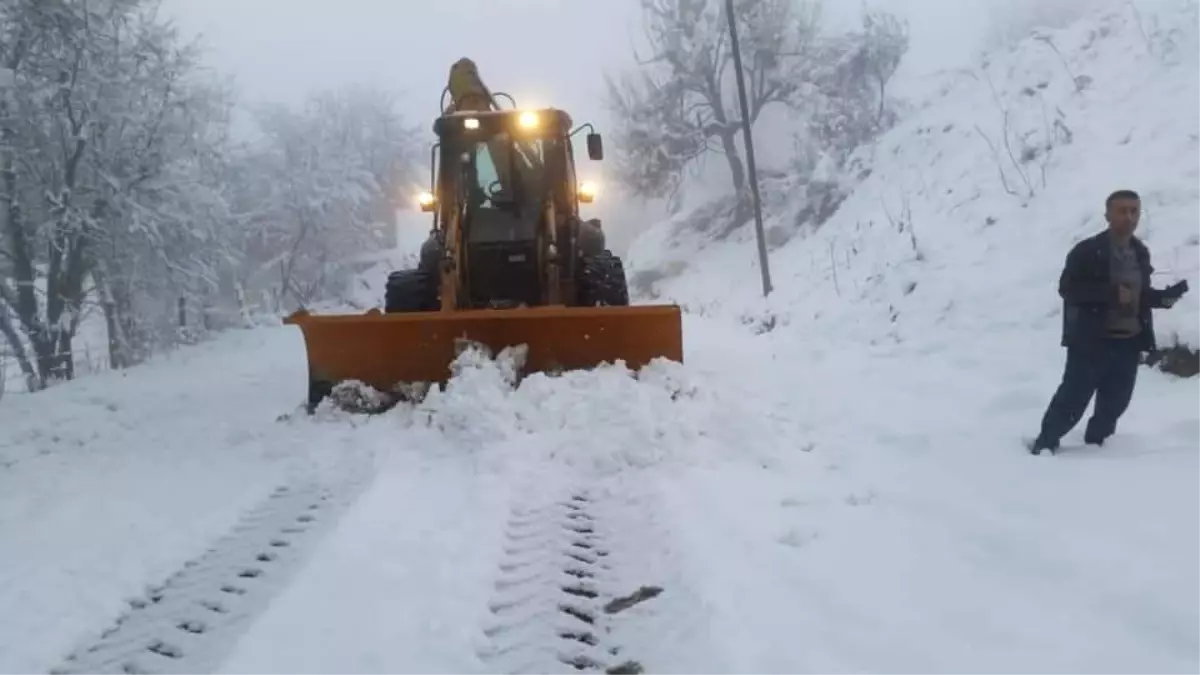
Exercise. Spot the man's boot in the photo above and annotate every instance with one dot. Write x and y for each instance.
(1039, 444)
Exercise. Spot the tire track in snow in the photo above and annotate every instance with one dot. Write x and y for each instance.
(191, 621)
(657, 615)
(544, 610)
(554, 601)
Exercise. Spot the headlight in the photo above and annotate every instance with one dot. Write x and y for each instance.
(587, 192)
(528, 120)
(426, 200)
(471, 123)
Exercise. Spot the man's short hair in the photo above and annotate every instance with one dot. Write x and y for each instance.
(1121, 194)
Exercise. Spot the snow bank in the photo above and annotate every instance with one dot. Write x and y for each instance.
(961, 225)
(608, 419)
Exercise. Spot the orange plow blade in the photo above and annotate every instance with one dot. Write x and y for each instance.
(387, 350)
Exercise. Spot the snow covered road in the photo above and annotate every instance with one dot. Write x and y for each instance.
(801, 508)
(111, 484)
(407, 569)
(461, 567)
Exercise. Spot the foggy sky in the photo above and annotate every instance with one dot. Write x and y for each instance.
(544, 52)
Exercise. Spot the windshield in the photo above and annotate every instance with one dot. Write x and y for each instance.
(492, 181)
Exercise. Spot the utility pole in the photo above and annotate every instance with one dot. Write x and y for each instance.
(6, 83)
(753, 172)
(8, 80)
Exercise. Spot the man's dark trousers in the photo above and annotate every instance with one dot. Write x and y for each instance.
(1106, 368)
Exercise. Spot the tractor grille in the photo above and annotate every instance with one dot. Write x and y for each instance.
(504, 274)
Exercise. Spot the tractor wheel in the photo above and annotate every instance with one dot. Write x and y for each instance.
(410, 291)
(602, 281)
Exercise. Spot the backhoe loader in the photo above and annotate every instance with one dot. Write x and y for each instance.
(509, 262)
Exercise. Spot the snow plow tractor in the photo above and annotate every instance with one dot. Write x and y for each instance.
(509, 262)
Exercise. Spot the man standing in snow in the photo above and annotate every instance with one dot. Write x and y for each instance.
(1107, 324)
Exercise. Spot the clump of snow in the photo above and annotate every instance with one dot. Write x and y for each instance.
(358, 396)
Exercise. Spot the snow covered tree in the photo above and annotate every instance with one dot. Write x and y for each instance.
(156, 152)
(1009, 21)
(681, 103)
(849, 103)
(121, 192)
(322, 189)
(105, 129)
(50, 47)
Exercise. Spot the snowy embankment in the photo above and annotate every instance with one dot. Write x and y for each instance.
(960, 228)
(836, 485)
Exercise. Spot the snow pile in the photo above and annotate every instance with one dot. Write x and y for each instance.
(608, 419)
(964, 212)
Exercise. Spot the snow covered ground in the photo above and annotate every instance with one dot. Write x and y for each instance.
(801, 507)
(110, 484)
(833, 481)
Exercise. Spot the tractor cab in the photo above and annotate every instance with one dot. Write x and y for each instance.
(505, 181)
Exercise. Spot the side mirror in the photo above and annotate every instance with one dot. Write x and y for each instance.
(595, 146)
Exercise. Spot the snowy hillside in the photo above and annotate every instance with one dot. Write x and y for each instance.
(968, 208)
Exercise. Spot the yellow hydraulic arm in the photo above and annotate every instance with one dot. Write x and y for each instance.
(469, 93)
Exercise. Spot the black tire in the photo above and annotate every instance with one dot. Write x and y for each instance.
(601, 281)
(410, 291)
(591, 238)
(318, 390)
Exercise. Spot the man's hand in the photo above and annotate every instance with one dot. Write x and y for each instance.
(1124, 294)
(1171, 294)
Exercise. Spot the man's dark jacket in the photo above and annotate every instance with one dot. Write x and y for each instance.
(1087, 291)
